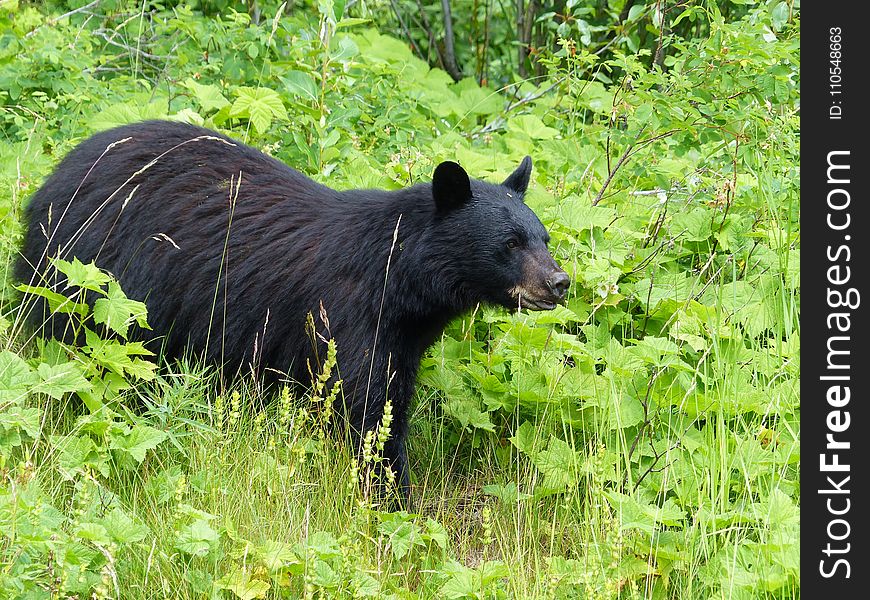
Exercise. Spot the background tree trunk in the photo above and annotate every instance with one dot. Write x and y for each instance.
(449, 53)
(525, 26)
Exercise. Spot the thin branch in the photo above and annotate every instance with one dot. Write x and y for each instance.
(629, 152)
(427, 27)
(729, 193)
(619, 163)
(652, 466)
(528, 28)
(640, 145)
(54, 20)
(102, 33)
(535, 96)
(499, 121)
(405, 28)
(659, 57)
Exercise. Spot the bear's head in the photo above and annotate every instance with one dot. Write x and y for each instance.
(502, 256)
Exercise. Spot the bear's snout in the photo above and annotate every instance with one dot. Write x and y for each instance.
(544, 284)
(558, 283)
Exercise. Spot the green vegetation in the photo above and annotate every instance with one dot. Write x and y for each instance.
(640, 442)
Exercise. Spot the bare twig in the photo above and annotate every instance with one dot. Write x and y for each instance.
(652, 468)
(102, 33)
(499, 121)
(659, 57)
(628, 153)
(405, 29)
(652, 280)
(483, 65)
(449, 52)
(730, 190)
(54, 20)
(427, 27)
(612, 173)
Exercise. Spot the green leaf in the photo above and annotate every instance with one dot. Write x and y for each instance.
(528, 439)
(467, 412)
(475, 100)
(25, 419)
(694, 225)
(197, 538)
(465, 582)
(105, 387)
(365, 586)
(100, 422)
(277, 555)
(117, 113)
(243, 585)
(300, 83)
(579, 215)
(508, 494)
(208, 96)
(560, 464)
(462, 584)
(122, 528)
(643, 112)
(76, 452)
(191, 511)
(634, 514)
(532, 126)
(117, 312)
(402, 533)
(436, 532)
(325, 576)
(628, 411)
(93, 532)
(324, 545)
(57, 303)
(16, 378)
(595, 97)
(779, 15)
(260, 106)
(116, 356)
(86, 276)
(140, 439)
(346, 49)
(656, 347)
(13, 421)
(62, 379)
(351, 22)
(634, 11)
(778, 510)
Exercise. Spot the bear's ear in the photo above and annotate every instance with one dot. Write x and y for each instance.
(518, 181)
(451, 187)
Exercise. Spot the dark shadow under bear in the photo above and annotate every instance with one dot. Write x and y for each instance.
(231, 250)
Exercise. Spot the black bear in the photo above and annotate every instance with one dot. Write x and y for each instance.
(231, 250)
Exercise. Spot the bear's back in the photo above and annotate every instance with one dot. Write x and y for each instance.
(183, 214)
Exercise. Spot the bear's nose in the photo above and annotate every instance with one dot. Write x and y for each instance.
(559, 283)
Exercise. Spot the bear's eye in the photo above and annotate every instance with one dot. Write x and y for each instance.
(513, 243)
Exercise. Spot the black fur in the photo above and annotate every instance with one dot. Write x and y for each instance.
(219, 238)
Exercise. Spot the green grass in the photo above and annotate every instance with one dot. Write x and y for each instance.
(263, 481)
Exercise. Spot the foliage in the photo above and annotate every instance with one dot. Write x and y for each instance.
(639, 442)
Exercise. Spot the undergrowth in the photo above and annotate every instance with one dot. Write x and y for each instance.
(641, 441)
